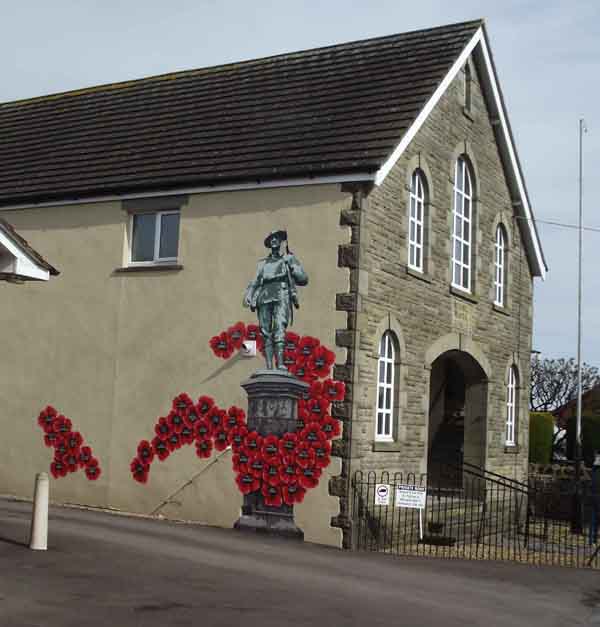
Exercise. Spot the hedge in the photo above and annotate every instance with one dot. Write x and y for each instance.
(541, 429)
(590, 437)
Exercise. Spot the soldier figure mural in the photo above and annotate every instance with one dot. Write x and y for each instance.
(273, 294)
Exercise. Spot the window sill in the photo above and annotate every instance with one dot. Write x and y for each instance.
(500, 310)
(422, 276)
(464, 295)
(386, 447)
(159, 267)
(511, 449)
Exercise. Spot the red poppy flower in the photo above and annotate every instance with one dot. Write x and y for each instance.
(305, 455)
(204, 405)
(236, 436)
(288, 470)
(187, 434)
(162, 428)
(204, 448)
(271, 495)
(145, 452)
(256, 465)
(289, 359)
(331, 427)
(92, 469)
(291, 341)
(46, 418)
(182, 403)
(85, 454)
(60, 446)
(307, 345)
(270, 448)
(139, 470)
(191, 416)
(203, 429)
(302, 369)
(220, 439)
(221, 345)
(271, 472)
(73, 440)
(237, 335)
(309, 477)
(71, 460)
(316, 389)
(61, 425)
(312, 433)
(173, 442)
(334, 390)
(247, 483)
(240, 461)
(236, 417)
(287, 444)
(58, 469)
(322, 453)
(321, 361)
(175, 421)
(160, 448)
(293, 493)
(317, 407)
(216, 418)
(51, 438)
(253, 442)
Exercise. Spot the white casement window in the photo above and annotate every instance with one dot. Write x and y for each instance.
(154, 237)
(462, 236)
(499, 266)
(385, 388)
(416, 220)
(511, 406)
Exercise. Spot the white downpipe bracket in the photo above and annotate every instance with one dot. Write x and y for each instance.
(39, 520)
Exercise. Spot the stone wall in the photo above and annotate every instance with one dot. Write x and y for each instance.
(426, 315)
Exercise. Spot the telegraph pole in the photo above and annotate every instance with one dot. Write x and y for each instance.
(577, 521)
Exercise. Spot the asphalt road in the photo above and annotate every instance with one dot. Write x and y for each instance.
(104, 569)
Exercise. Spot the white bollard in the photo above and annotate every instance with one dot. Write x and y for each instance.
(38, 540)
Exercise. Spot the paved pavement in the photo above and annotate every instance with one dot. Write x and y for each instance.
(104, 569)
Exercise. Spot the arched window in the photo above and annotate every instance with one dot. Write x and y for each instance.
(416, 221)
(512, 406)
(499, 266)
(386, 383)
(462, 226)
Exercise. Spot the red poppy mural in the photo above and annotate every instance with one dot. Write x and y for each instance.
(282, 468)
(70, 451)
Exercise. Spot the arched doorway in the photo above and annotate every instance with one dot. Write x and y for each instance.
(458, 392)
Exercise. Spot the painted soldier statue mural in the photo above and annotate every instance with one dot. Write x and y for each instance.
(273, 294)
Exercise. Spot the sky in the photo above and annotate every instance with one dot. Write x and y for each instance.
(547, 55)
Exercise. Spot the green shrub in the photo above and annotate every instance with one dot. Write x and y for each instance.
(541, 428)
(590, 437)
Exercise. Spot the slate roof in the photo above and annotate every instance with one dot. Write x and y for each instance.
(336, 110)
(26, 248)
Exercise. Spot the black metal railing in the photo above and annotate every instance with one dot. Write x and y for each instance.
(484, 516)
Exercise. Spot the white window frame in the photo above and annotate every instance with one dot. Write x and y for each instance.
(511, 407)
(462, 226)
(416, 221)
(157, 232)
(499, 266)
(387, 415)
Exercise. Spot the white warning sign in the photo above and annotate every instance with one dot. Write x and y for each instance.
(411, 496)
(382, 494)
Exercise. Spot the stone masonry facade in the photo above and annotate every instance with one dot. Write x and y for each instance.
(427, 316)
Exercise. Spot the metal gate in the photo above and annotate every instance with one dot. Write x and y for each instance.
(483, 516)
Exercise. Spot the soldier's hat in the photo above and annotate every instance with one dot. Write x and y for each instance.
(282, 235)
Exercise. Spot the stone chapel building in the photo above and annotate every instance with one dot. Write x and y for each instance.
(392, 165)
